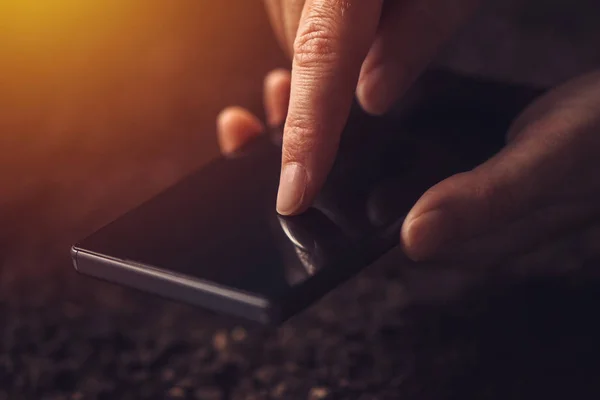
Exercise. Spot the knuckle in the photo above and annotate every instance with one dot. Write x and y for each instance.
(315, 43)
(299, 140)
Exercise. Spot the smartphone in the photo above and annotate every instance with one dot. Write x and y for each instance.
(214, 239)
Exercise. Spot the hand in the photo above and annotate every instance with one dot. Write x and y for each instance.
(339, 48)
(535, 204)
(539, 196)
(237, 126)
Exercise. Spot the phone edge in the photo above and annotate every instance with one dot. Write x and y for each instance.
(179, 288)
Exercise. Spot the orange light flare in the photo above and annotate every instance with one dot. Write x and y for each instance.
(57, 55)
(97, 65)
(87, 90)
(105, 102)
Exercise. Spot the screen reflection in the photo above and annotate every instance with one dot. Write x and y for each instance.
(377, 177)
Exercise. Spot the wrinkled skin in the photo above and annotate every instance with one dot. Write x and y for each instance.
(342, 48)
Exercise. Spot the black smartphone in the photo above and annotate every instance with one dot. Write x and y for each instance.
(215, 240)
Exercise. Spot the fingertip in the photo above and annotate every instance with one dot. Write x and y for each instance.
(291, 212)
(365, 96)
(235, 127)
(292, 189)
(277, 88)
(430, 224)
(424, 236)
(378, 88)
(278, 74)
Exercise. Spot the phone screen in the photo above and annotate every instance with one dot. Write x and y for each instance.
(219, 225)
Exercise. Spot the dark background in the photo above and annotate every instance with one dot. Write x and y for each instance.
(104, 103)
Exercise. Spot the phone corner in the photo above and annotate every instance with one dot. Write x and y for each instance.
(74, 257)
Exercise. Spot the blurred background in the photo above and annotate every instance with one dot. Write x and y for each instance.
(105, 103)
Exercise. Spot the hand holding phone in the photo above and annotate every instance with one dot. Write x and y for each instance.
(215, 240)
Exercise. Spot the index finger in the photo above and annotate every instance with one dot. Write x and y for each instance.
(333, 39)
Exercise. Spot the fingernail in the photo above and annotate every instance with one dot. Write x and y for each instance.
(292, 186)
(426, 235)
(375, 91)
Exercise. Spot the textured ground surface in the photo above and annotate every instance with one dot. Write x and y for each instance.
(114, 102)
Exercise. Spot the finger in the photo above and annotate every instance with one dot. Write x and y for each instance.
(523, 235)
(408, 38)
(522, 177)
(577, 100)
(277, 96)
(549, 160)
(275, 14)
(332, 41)
(291, 14)
(236, 127)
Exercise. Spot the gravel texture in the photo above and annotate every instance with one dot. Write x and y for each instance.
(367, 340)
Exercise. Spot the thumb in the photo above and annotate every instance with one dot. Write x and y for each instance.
(505, 188)
(551, 158)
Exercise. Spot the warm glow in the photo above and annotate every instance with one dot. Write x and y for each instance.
(33, 25)
(36, 16)
(104, 102)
